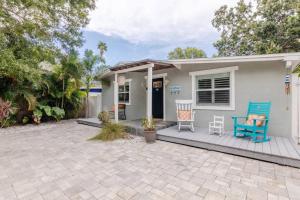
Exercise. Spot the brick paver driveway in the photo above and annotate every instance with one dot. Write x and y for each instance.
(55, 161)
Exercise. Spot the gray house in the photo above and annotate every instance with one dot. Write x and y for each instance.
(149, 88)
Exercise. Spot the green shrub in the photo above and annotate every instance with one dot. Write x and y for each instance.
(104, 117)
(111, 131)
(37, 116)
(25, 120)
(58, 113)
(47, 110)
(7, 114)
(52, 112)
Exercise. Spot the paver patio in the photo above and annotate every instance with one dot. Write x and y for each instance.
(55, 161)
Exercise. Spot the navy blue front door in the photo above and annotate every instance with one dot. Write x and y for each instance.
(158, 98)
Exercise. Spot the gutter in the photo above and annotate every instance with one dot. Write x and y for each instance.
(251, 58)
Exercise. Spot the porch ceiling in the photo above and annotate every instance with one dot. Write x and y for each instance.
(158, 65)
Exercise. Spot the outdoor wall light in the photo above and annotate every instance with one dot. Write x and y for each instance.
(121, 80)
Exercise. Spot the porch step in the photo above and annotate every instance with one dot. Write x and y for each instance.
(90, 122)
(132, 126)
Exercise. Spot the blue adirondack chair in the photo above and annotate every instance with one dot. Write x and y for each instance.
(257, 133)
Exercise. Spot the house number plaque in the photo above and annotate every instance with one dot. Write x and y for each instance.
(175, 89)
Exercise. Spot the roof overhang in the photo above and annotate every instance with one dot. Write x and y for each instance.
(141, 66)
(236, 59)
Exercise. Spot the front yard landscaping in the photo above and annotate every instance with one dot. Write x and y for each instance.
(57, 161)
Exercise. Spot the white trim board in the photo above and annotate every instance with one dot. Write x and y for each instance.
(157, 75)
(164, 92)
(129, 81)
(251, 58)
(134, 68)
(215, 71)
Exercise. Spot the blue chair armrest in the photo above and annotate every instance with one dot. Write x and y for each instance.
(257, 119)
(237, 117)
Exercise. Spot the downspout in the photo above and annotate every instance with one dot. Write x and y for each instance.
(298, 117)
(292, 63)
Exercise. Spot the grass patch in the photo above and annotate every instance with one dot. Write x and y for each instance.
(110, 132)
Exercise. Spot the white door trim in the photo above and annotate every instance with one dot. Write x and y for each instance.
(164, 92)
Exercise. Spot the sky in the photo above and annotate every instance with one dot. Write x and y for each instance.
(140, 29)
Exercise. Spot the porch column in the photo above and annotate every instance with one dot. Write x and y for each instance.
(149, 92)
(116, 98)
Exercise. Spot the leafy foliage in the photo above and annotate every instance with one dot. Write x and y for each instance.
(102, 49)
(25, 120)
(148, 124)
(46, 111)
(89, 63)
(111, 131)
(6, 113)
(189, 52)
(37, 116)
(273, 26)
(38, 61)
(58, 113)
(297, 70)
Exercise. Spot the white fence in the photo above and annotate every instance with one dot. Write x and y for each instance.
(95, 105)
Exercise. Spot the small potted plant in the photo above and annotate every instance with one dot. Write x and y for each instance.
(149, 130)
(104, 117)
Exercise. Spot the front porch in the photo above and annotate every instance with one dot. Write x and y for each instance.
(280, 150)
(155, 87)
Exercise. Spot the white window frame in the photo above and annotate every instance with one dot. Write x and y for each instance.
(231, 71)
(129, 93)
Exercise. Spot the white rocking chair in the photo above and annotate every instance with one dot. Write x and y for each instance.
(217, 126)
(185, 114)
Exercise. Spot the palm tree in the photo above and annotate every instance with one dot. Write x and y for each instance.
(102, 48)
(89, 63)
(69, 69)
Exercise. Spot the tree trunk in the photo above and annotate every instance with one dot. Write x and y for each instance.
(62, 99)
(87, 104)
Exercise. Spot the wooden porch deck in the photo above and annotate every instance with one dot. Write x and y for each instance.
(279, 150)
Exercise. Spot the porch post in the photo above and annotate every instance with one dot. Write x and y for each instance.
(116, 98)
(149, 92)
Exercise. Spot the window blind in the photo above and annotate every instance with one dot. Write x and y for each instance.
(213, 89)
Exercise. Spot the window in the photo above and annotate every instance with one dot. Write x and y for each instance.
(214, 89)
(124, 93)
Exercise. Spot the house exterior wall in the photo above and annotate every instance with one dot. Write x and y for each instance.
(137, 107)
(254, 81)
(295, 101)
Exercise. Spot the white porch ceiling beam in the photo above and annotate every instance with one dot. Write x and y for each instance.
(137, 68)
(178, 66)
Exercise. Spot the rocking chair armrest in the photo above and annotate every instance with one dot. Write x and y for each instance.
(238, 117)
(257, 119)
